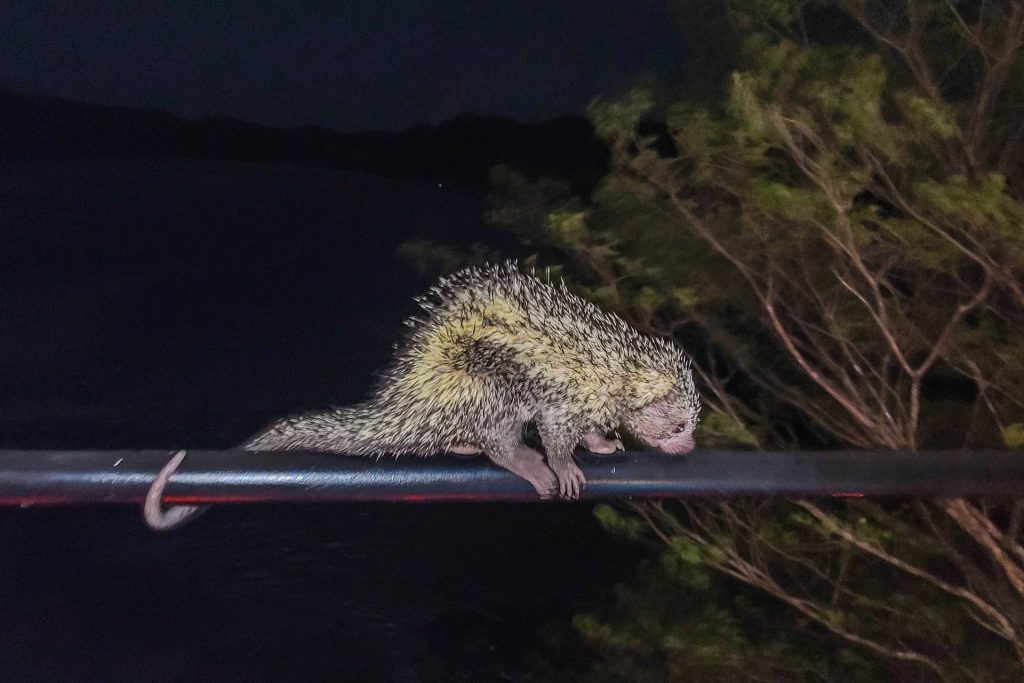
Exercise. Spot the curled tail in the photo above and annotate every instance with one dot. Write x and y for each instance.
(362, 429)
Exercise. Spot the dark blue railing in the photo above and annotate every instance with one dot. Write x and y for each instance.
(60, 477)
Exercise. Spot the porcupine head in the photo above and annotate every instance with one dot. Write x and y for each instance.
(669, 405)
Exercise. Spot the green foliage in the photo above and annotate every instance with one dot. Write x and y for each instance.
(720, 429)
(611, 117)
(1013, 435)
(627, 527)
(927, 115)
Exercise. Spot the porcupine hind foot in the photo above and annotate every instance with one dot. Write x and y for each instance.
(527, 463)
(596, 442)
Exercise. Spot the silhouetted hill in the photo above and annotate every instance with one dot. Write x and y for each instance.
(460, 150)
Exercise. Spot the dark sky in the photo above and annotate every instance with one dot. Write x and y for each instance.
(349, 65)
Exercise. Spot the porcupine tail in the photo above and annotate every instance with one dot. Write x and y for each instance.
(356, 430)
(362, 429)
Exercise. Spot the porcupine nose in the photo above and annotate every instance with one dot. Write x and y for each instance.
(680, 442)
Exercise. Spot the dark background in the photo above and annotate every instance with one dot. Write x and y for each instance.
(176, 275)
(357, 65)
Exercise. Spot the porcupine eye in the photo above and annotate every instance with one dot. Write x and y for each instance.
(679, 429)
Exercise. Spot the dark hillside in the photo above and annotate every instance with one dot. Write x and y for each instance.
(460, 150)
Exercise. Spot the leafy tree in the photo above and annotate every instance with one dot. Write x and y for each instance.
(842, 210)
(835, 228)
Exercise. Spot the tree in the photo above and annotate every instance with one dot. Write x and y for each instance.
(837, 234)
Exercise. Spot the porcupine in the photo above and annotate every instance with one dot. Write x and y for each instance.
(497, 350)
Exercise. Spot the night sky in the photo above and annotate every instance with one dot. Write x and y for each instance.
(379, 64)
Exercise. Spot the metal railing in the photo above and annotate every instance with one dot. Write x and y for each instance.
(29, 477)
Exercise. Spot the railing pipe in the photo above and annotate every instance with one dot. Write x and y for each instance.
(50, 477)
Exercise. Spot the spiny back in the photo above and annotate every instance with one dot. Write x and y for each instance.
(485, 323)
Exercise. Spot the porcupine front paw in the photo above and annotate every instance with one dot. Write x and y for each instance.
(570, 479)
(537, 472)
(528, 464)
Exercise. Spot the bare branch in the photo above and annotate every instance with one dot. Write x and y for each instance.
(997, 620)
